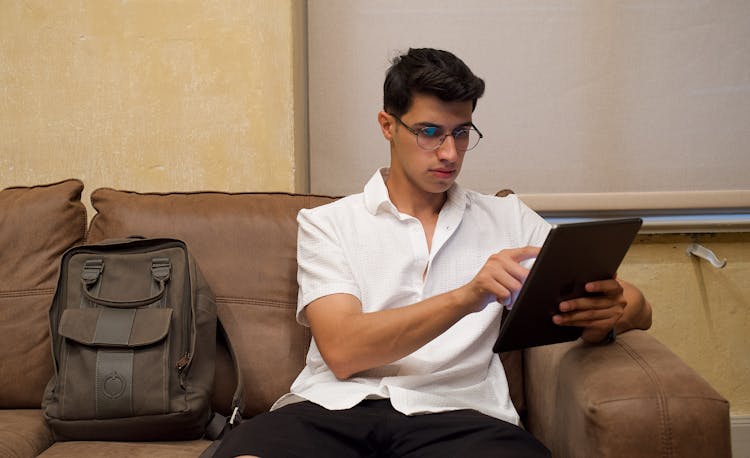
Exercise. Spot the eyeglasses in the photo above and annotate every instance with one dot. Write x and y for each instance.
(432, 137)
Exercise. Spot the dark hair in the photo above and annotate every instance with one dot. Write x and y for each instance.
(432, 72)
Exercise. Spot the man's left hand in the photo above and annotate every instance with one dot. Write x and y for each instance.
(597, 314)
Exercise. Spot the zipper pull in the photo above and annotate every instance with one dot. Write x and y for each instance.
(183, 362)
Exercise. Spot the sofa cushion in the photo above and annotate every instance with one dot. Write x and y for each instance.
(37, 224)
(513, 365)
(181, 449)
(23, 432)
(245, 245)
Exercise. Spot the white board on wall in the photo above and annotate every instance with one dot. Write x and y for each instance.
(582, 96)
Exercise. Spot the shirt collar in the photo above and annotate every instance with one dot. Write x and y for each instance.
(377, 199)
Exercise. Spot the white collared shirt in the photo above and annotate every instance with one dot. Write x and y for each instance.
(363, 246)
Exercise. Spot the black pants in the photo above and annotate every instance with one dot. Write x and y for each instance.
(376, 429)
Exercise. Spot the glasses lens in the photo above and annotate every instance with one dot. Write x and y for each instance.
(466, 139)
(432, 137)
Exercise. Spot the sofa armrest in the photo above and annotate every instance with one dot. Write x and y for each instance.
(633, 397)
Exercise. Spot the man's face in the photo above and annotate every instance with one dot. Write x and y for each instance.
(414, 168)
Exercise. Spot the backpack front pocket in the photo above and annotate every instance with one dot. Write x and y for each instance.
(114, 362)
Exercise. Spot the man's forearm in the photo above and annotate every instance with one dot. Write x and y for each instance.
(354, 341)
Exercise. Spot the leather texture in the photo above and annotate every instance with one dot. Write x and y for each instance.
(513, 366)
(160, 449)
(23, 433)
(37, 225)
(631, 398)
(246, 243)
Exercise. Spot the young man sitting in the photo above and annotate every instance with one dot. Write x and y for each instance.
(403, 285)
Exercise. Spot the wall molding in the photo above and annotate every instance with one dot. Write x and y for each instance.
(662, 212)
(697, 202)
(740, 436)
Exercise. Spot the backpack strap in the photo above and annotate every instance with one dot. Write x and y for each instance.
(220, 424)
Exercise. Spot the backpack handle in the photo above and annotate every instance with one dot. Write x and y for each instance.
(161, 269)
(124, 304)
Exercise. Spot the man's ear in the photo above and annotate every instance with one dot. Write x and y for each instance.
(386, 125)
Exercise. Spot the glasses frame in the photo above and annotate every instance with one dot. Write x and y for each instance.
(452, 133)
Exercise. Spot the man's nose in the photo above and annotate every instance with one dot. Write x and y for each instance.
(447, 151)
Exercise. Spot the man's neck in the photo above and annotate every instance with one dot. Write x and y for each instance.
(424, 206)
(421, 205)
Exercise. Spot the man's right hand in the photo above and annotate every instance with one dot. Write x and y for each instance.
(500, 278)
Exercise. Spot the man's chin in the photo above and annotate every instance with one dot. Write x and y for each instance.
(440, 186)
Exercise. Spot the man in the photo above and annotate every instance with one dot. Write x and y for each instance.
(402, 287)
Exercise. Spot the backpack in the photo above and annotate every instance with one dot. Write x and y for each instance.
(133, 331)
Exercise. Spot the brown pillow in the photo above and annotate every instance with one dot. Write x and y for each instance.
(37, 224)
(245, 245)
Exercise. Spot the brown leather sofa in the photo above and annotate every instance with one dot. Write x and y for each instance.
(633, 398)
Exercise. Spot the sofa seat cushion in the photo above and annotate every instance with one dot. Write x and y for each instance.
(187, 449)
(37, 224)
(23, 432)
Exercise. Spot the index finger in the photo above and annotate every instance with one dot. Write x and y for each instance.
(524, 253)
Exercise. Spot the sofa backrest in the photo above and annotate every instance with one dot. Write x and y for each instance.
(37, 224)
(245, 245)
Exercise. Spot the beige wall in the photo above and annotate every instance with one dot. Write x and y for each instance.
(154, 95)
(611, 96)
(702, 313)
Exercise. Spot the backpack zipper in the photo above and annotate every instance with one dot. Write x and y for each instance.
(187, 357)
(183, 362)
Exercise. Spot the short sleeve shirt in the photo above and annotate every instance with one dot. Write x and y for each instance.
(363, 246)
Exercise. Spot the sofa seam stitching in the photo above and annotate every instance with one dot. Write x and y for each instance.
(27, 292)
(707, 398)
(666, 430)
(263, 302)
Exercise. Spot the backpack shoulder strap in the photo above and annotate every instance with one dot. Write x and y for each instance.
(221, 424)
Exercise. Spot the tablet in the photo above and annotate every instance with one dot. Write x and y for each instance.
(572, 255)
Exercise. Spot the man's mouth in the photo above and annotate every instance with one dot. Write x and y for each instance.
(443, 173)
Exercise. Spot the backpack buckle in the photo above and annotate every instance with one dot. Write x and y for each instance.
(235, 417)
(92, 269)
(161, 269)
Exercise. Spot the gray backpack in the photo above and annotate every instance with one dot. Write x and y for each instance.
(133, 327)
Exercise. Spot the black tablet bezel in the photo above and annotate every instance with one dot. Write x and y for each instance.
(572, 255)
